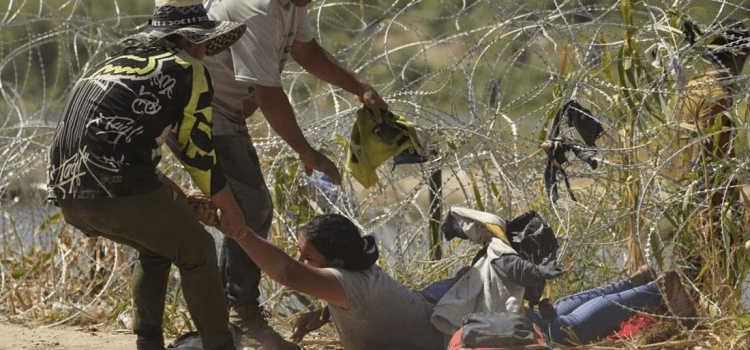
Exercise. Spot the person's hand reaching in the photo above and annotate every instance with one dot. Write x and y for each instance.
(308, 322)
(203, 208)
(231, 221)
(372, 100)
(315, 160)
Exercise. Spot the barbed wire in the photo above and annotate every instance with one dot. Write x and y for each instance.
(482, 79)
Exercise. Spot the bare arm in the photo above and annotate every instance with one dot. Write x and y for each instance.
(294, 274)
(321, 64)
(273, 261)
(279, 113)
(231, 219)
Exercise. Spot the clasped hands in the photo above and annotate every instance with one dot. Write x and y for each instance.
(203, 208)
(209, 214)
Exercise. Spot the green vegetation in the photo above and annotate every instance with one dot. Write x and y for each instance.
(483, 79)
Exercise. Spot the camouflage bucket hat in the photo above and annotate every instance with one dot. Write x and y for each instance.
(189, 19)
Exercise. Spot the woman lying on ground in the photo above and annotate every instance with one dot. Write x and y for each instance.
(595, 313)
(370, 310)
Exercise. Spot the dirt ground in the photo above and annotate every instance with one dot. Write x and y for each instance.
(16, 336)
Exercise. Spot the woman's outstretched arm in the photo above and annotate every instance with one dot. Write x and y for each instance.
(282, 268)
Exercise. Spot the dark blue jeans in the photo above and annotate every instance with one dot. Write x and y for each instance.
(241, 167)
(435, 291)
(593, 313)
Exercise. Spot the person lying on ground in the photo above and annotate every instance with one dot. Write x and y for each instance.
(523, 251)
(103, 175)
(589, 315)
(336, 264)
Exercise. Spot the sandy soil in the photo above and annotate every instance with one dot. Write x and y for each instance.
(23, 337)
(15, 336)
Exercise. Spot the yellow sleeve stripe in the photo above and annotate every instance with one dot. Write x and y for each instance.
(198, 161)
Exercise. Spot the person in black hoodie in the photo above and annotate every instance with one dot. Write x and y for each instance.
(102, 169)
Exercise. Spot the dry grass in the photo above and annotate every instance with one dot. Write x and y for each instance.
(482, 79)
(53, 291)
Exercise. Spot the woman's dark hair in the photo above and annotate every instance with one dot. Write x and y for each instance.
(336, 237)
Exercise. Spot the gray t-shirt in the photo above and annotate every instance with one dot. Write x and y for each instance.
(258, 57)
(383, 314)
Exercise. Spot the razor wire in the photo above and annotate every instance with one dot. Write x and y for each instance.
(480, 79)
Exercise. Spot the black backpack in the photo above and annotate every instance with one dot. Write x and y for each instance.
(500, 330)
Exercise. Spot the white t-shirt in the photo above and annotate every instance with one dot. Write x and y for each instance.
(258, 57)
(383, 314)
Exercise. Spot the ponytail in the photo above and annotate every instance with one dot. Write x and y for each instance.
(336, 237)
